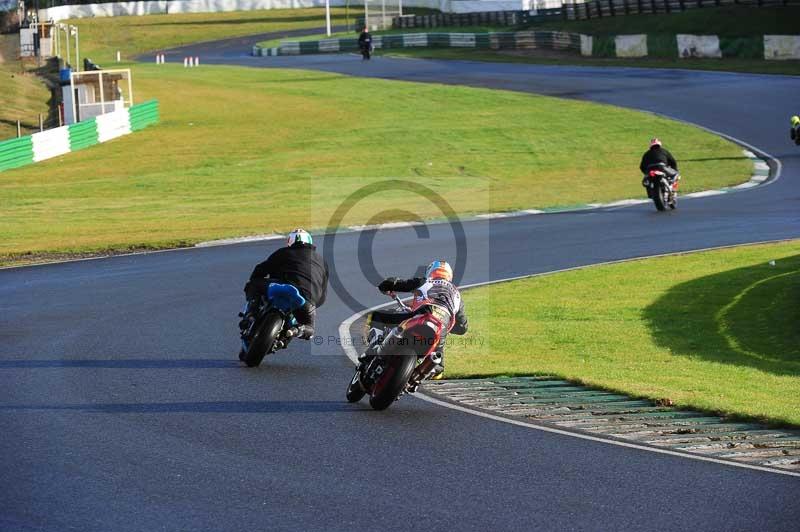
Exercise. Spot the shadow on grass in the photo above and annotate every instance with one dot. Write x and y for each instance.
(747, 317)
(715, 159)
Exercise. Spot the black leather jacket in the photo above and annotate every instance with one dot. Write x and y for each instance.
(657, 155)
(299, 265)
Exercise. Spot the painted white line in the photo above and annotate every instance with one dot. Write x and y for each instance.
(761, 165)
(352, 354)
(510, 214)
(388, 225)
(589, 437)
(704, 194)
(238, 240)
(749, 154)
(625, 203)
(749, 184)
(759, 178)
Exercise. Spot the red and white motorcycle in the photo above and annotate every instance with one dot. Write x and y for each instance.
(404, 356)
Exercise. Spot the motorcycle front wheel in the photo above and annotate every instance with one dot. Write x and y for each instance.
(354, 390)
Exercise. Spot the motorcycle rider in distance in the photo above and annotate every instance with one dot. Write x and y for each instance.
(365, 42)
(794, 132)
(299, 265)
(660, 157)
(436, 294)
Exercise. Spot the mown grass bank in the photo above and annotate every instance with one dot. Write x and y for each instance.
(715, 330)
(245, 151)
(23, 95)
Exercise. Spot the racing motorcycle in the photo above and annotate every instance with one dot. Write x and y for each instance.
(268, 327)
(659, 188)
(404, 356)
(366, 50)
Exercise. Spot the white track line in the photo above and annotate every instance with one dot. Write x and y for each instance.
(352, 354)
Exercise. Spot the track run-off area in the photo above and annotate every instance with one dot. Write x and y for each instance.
(125, 408)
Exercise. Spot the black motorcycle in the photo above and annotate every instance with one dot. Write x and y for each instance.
(366, 49)
(268, 326)
(661, 188)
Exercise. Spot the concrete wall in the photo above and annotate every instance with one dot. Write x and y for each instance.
(210, 6)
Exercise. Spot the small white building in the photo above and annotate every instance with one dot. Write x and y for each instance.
(95, 92)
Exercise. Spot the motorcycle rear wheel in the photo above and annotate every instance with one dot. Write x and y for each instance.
(404, 367)
(263, 339)
(660, 198)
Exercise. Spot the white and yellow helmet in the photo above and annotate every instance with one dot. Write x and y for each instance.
(299, 235)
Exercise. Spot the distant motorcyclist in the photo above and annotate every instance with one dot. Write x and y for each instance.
(365, 43)
(658, 156)
(299, 265)
(436, 294)
(794, 132)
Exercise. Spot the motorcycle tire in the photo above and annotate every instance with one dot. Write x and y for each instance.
(403, 368)
(660, 198)
(354, 390)
(263, 339)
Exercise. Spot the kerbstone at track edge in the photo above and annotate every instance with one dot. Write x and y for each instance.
(583, 409)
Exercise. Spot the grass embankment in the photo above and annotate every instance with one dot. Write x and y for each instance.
(731, 21)
(101, 37)
(245, 151)
(23, 95)
(715, 330)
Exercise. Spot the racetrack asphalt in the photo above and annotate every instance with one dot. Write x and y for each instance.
(124, 407)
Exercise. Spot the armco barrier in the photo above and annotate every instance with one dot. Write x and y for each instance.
(59, 141)
(15, 153)
(631, 46)
(551, 40)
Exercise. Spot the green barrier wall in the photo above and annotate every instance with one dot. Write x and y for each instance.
(742, 47)
(16, 152)
(19, 152)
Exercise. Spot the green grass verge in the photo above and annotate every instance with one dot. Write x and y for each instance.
(715, 330)
(101, 37)
(235, 146)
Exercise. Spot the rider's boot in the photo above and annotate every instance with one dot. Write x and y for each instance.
(248, 315)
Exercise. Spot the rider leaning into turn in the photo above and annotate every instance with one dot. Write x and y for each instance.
(299, 265)
(434, 293)
(659, 156)
(794, 132)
